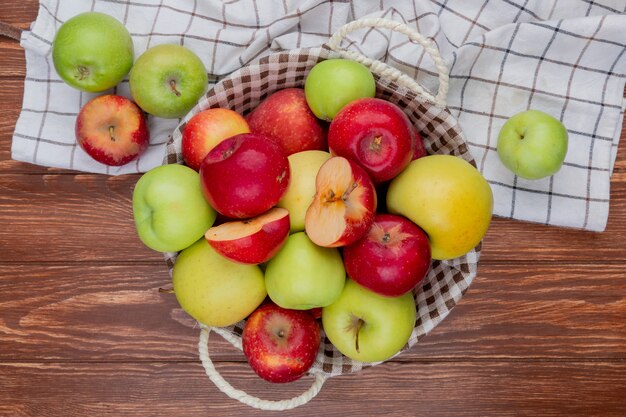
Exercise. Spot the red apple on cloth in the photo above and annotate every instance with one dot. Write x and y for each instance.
(344, 204)
(376, 134)
(251, 241)
(112, 130)
(206, 129)
(244, 175)
(286, 117)
(280, 344)
(391, 259)
(419, 150)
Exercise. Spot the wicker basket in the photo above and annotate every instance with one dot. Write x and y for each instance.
(446, 281)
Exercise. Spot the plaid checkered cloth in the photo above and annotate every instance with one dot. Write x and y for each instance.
(563, 57)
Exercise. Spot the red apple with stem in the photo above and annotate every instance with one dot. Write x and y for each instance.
(251, 241)
(376, 134)
(280, 344)
(286, 117)
(344, 204)
(112, 130)
(392, 258)
(244, 175)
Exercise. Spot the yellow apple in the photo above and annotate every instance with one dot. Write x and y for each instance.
(448, 198)
(214, 290)
(303, 167)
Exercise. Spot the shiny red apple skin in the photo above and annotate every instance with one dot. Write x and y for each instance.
(244, 175)
(112, 130)
(286, 117)
(376, 134)
(280, 344)
(419, 150)
(252, 241)
(392, 258)
(206, 129)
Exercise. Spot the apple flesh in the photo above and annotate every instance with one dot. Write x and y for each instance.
(244, 175)
(532, 144)
(286, 117)
(391, 259)
(448, 198)
(206, 129)
(280, 344)
(214, 290)
(366, 326)
(251, 241)
(376, 134)
(344, 204)
(112, 130)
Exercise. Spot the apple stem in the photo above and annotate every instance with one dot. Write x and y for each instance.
(349, 191)
(166, 290)
(357, 330)
(173, 87)
(111, 130)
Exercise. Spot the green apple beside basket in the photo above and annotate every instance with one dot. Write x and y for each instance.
(242, 90)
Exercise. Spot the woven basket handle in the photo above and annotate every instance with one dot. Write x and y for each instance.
(242, 396)
(386, 71)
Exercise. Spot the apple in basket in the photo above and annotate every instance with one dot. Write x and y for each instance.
(167, 80)
(280, 344)
(366, 326)
(92, 51)
(244, 175)
(112, 130)
(286, 117)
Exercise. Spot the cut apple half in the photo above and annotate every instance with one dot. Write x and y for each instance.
(344, 205)
(251, 241)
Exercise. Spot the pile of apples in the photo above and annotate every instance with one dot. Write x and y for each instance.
(319, 207)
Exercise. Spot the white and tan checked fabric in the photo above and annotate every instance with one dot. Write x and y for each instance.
(505, 56)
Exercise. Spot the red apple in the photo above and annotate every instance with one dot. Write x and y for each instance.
(280, 344)
(419, 150)
(376, 134)
(244, 175)
(112, 130)
(392, 258)
(344, 204)
(286, 117)
(252, 241)
(206, 129)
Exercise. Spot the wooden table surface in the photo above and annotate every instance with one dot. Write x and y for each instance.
(84, 330)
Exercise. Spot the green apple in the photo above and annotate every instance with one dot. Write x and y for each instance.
(532, 144)
(303, 275)
(167, 80)
(448, 198)
(366, 326)
(92, 51)
(303, 167)
(333, 83)
(214, 290)
(169, 208)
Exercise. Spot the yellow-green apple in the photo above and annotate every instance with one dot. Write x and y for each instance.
(112, 130)
(391, 259)
(366, 326)
(532, 144)
(374, 133)
(280, 344)
(303, 276)
(244, 175)
(167, 80)
(169, 209)
(303, 168)
(214, 290)
(333, 83)
(251, 241)
(448, 198)
(344, 204)
(92, 51)
(286, 117)
(206, 129)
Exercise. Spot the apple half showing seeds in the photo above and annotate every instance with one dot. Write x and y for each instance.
(251, 241)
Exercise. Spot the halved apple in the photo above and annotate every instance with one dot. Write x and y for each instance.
(251, 241)
(344, 205)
